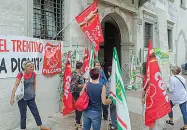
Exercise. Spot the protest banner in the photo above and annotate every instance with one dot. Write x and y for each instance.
(15, 50)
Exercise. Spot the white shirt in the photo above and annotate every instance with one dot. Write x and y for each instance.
(178, 92)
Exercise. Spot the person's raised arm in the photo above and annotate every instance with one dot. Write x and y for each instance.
(105, 101)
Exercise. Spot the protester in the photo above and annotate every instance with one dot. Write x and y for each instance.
(178, 95)
(112, 106)
(77, 83)
(97, 95)
(29, 95)
(103, 81)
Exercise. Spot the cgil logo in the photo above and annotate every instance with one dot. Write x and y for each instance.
(158, 78)
(52, 48)
(67, 86)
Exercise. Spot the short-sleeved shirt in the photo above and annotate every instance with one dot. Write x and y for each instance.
(178, 90)
(26, 76)
(102, 79)
(29, 92)
(76, 79)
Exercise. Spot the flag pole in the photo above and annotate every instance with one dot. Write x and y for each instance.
(62, 29)
(109, 116)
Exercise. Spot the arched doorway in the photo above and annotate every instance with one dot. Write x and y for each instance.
(112, 38)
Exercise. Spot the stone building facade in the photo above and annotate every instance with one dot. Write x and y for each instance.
(126, 24)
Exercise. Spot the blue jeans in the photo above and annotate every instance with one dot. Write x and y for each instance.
(113, 115)
(92, 118)
(22, 104)
(183, 111)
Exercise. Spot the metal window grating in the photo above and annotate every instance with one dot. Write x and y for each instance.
(169, 39)
(48, 19)
(183, 3)
(148, 33)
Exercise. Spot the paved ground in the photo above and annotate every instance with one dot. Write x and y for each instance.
(58, 122)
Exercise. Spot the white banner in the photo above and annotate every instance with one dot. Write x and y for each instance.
(14, 50)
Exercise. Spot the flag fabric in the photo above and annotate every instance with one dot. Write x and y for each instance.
(132, 74)
(52, 59)
(68, 100)
(157, 101)
(77, 53)
(86, 60)
(89, 22)
(91, 64)
(118, 96)
(86, 65)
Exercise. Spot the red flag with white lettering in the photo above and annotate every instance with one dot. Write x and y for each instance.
(52, 59)
(157, 101)
(68, 100)
(86, 61)
(89, 22)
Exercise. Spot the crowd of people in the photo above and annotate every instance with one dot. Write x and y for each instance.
(98, 92)
(100, 104)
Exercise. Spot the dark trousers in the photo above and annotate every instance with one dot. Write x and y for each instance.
(22, 104)
(183, 111)
(105, 111)
(113, 115)
(78, 114)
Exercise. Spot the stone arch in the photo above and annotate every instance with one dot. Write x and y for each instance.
(122, 21)
(125, 29)
(181, 34)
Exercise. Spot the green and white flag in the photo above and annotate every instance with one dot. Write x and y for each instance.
(77, 53)
(132, 74)
(92, 57)
(118, 95)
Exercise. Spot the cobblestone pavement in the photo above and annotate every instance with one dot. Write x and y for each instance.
(58, 122)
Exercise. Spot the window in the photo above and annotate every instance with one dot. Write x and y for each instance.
(169, 39)
(148, 33)
(183, 4)
(48, 19)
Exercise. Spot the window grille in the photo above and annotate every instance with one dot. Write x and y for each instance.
(169, 39)
(48, 19)
(148, 33)
(183, 3)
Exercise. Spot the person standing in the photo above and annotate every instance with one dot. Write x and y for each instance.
(29, 95)
(178, 95)
(97, 95)
(112, 106)
(102, 80)
(76, 86)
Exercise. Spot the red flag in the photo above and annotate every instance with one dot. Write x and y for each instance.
(68, 100)
(86, 61)
(157, 101)
(89, 22)
(52, 59)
